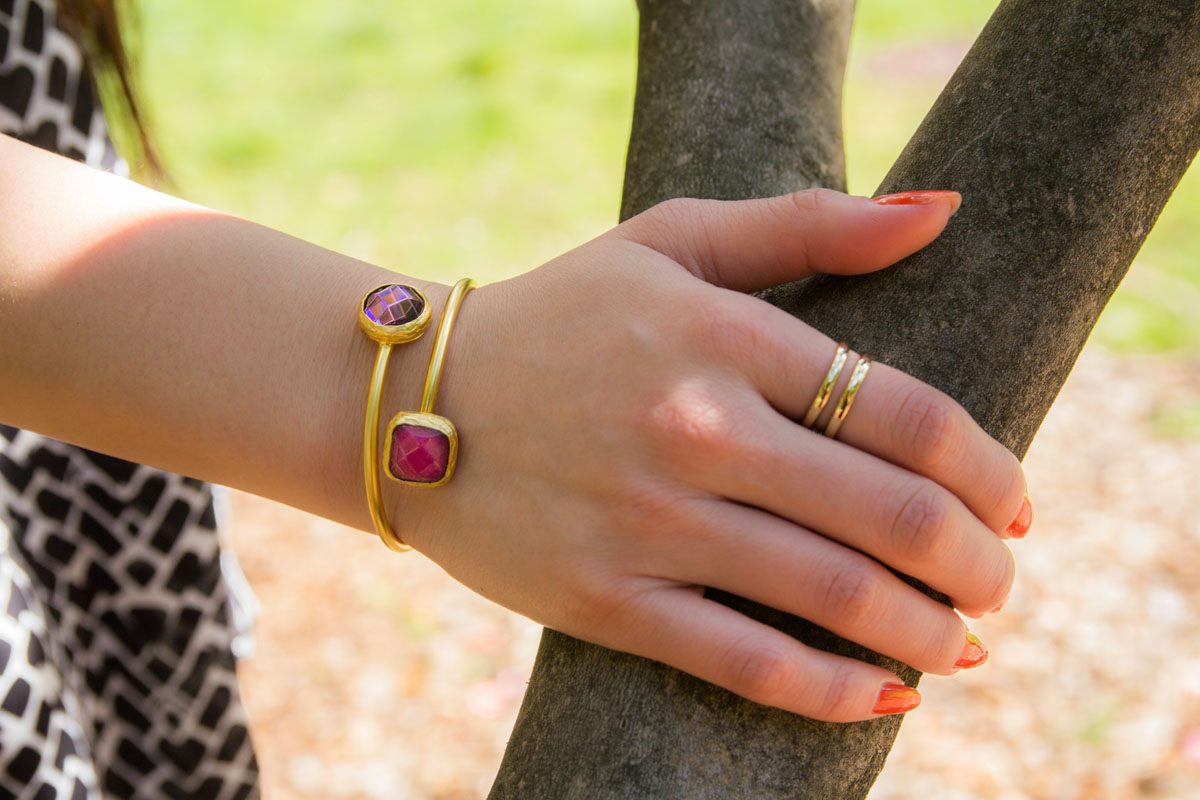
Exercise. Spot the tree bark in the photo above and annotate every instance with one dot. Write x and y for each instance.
(1066, 128)
(737, 99)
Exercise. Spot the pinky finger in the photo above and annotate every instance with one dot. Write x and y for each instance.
(679, 627)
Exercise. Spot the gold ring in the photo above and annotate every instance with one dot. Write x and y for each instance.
(843, 407)
(823, 394)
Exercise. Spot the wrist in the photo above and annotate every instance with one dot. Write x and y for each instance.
(420, 512)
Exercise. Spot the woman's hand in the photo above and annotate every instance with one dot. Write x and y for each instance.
(628, 429)
(626, 411)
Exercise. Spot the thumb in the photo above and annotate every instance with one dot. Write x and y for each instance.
(754, 244)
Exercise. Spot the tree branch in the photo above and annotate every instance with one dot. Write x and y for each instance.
(1066, 129)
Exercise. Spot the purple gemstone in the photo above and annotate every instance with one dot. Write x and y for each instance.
(419, 454)
(393, 305)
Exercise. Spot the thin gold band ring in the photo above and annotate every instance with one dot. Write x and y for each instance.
(843, 407)
(823, 394)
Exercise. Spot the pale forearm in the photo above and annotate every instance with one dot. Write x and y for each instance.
(162, 332)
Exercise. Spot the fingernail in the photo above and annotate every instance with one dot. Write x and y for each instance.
(997, 608)
(1020, 525)
(920, 198)
(973, 654)
(896, 698)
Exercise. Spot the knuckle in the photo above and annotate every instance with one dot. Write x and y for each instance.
(813, 200)
(759, 672)
(666, 216)
(604, 597)
(691, 424)
(669, 225)
(932, 426)
(679, 220)
(852, 595)
(600, 598)
(655, 511)
(921, 525)
(727, 331)
(712, 317)
(837, 701)
(676, 209)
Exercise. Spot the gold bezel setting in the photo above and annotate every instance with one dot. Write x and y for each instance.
(421, 419)
(395, 334)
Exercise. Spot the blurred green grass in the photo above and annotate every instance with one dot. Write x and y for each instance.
(469, 137)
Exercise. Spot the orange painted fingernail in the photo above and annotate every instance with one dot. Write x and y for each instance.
(997, 608)
(920, 198)
(973, 654)
(1020, 525)
(896, 698)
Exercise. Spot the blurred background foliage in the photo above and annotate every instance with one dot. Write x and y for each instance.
(473, 137)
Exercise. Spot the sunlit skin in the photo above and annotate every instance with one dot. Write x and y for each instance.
(626, 415)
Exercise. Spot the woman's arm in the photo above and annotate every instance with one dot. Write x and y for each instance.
(146, 327)
(627, 416)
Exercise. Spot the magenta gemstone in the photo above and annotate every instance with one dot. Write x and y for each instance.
(419, 454)
(393, 305)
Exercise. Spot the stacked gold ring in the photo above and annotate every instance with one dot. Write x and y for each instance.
(825, 392)
(843, 407)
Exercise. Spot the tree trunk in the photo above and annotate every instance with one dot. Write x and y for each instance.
(737, 99)
(1066, 129)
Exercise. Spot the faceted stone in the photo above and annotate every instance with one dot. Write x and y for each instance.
(393, 305)
(419, 454)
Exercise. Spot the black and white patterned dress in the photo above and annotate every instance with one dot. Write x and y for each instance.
(116, 619)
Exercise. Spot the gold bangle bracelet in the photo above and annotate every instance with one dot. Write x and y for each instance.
(371, 455)
(421, 447)
(438, 357)
(391, 314)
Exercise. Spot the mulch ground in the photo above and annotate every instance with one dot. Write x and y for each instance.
(377, 676)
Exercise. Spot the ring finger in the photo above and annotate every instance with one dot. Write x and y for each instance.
(894, 416)
(769, 560)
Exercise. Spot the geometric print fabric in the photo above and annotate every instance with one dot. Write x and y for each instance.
(116, 619)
